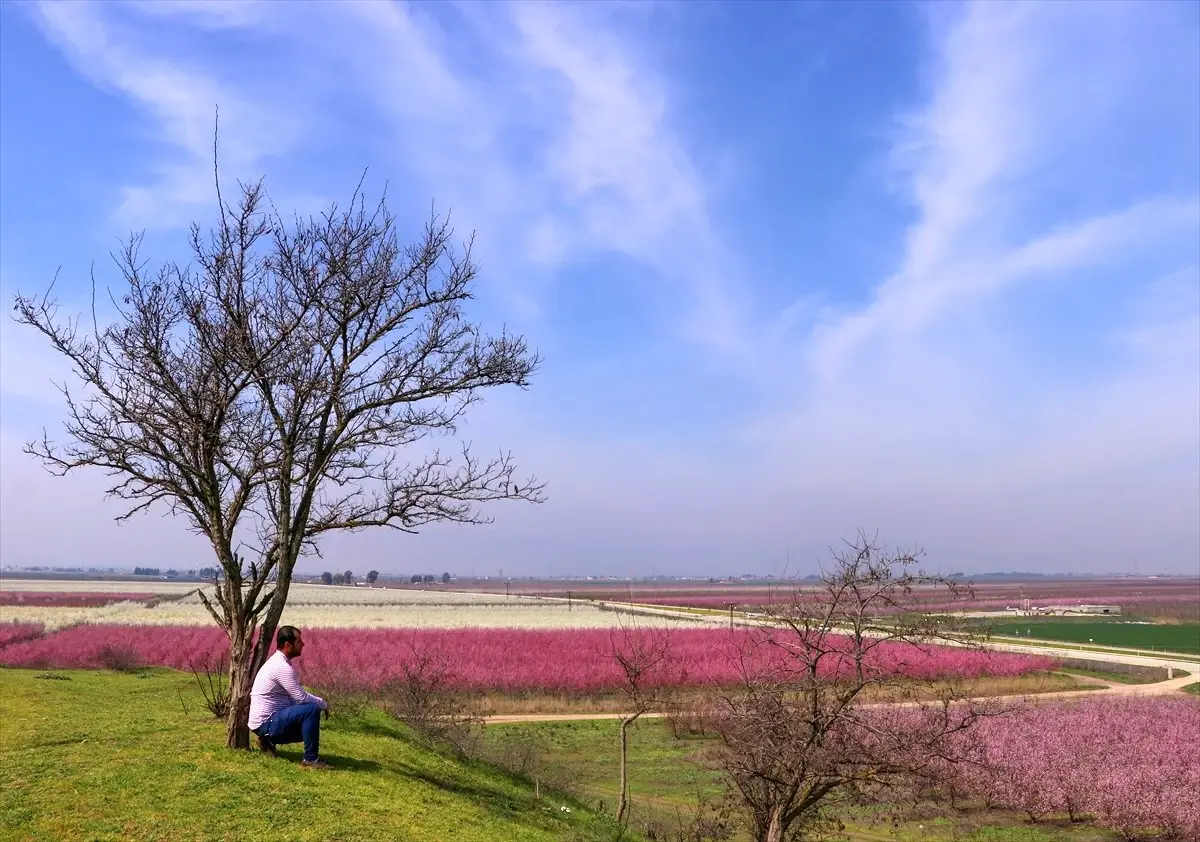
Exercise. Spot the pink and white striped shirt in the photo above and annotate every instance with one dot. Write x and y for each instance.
(276, 687)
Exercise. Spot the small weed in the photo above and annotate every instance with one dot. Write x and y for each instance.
(213, 681)
(118, 658)
(53, 676)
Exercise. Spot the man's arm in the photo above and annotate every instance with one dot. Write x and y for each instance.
(290, 683)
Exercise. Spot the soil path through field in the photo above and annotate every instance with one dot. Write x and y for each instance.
(1158, 688)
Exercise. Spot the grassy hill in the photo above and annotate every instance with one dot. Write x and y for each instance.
(108, 755)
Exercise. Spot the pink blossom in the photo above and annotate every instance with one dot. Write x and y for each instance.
(17, 632)
(1130, 763)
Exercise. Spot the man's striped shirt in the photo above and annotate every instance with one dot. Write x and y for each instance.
(276, 687)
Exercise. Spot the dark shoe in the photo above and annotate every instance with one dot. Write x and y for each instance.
(266, 746)
(315, 764)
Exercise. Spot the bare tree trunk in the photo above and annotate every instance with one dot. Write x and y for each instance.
(270, 620)
(775, 828)
(623, 804)
(241, 680)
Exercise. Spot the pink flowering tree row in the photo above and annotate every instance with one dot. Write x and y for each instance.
(19, 632)
(69, 599)
(506, 660)
(1129, 764)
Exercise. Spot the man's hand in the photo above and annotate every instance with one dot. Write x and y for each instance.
(326, 714)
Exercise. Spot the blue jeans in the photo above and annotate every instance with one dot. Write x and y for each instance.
(293, 724)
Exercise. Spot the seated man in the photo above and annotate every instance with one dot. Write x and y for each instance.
(280, 710)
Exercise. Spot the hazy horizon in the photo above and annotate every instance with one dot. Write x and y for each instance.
(927, 270)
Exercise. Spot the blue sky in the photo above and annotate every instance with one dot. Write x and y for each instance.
(795, 269)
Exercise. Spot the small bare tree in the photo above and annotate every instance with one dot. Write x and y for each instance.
(643, 656)
(801, 732)
(424, 697)
(270, 391)
(212, 677)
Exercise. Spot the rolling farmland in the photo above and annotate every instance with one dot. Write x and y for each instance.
(1169, 597)
(533, 648)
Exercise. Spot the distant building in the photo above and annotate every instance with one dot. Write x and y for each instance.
(1099, 609)
(1075, 609)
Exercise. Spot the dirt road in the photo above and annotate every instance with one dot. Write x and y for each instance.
(1172, 685)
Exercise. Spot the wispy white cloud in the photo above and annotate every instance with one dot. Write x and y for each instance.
(929, 395)
(179, 99)
(964, 273)
(562, 148)
(621, 163)
(972, 159)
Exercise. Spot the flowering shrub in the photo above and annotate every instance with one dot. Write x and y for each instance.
(69, 599)
(87, 646)
(17, 632)
(509, 660)
(1127, 762)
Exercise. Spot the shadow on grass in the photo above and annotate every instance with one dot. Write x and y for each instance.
(378, 729)
(339, 762)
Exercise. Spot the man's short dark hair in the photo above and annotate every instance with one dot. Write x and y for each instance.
(286, 634)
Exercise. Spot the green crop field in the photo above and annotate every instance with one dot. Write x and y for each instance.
(1174, 637)
(117, 756)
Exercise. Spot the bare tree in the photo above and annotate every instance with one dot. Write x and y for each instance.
(643, 657)
(423, 695)
(276, 389)
(801, 733)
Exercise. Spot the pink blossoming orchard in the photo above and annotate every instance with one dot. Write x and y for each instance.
(1130, 764)
(481, 659)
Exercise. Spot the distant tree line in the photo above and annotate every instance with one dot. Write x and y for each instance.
(155, 571)
(347, 578)
(428, 578)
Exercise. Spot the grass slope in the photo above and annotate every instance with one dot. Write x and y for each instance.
(117, 756)
(666, 776)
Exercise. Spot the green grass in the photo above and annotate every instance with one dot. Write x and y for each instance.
(115, 756)
(1192, 688)
(1171, 637)
(1149, 677)
(662, 769)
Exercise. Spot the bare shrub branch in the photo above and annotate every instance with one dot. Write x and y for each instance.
(212, 677)
(799, 736)
(643, 655)
(423, 696)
